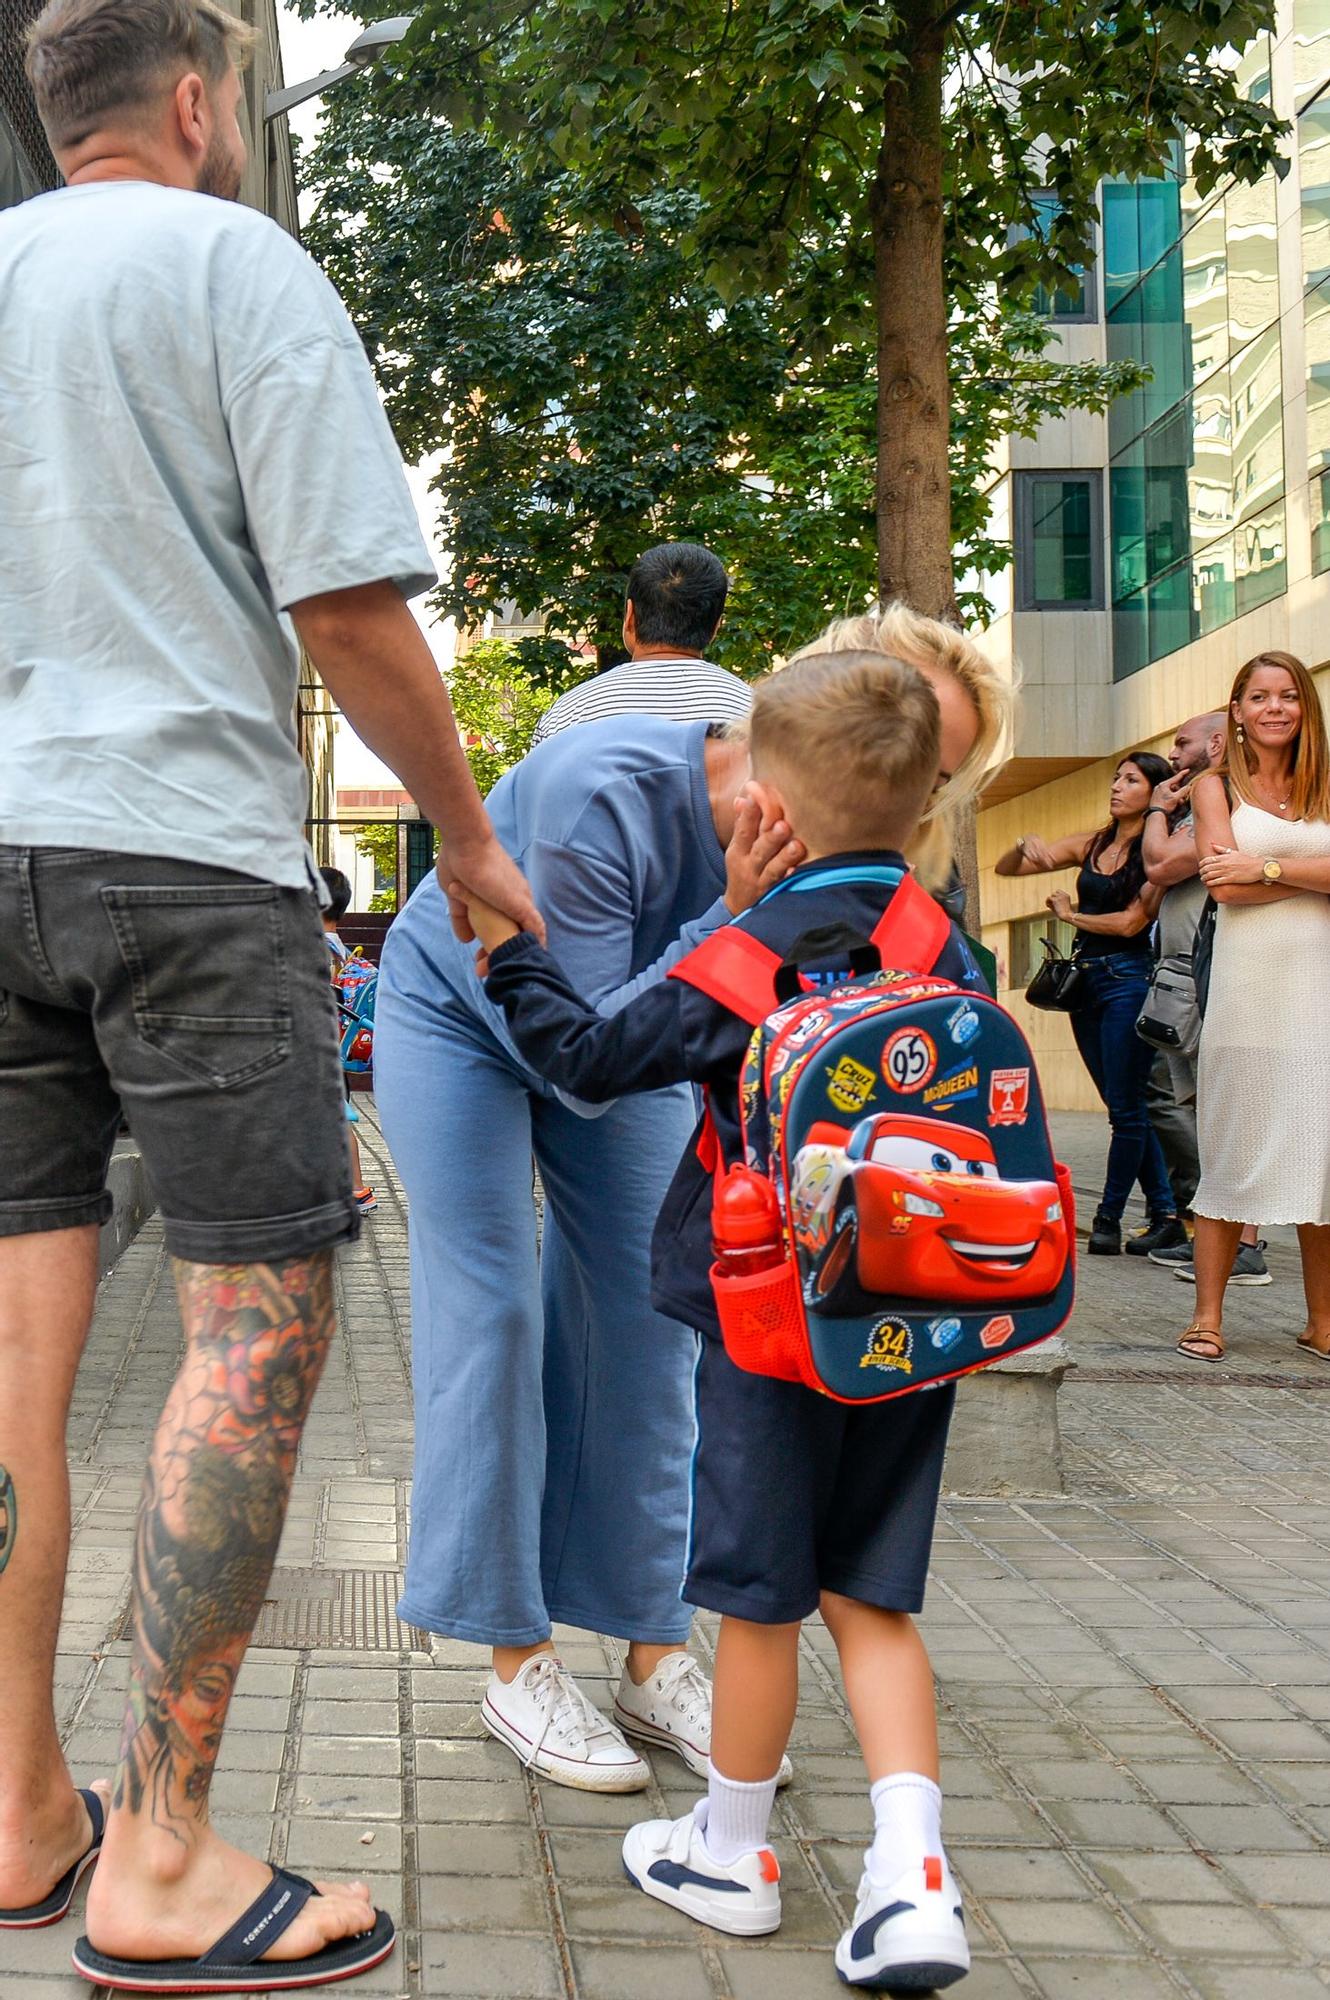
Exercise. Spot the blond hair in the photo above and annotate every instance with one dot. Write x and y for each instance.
(1309, 797)
(851, 738)
(936, 648)
(92, 61)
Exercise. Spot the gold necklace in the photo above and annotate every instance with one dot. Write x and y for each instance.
(1281, 805)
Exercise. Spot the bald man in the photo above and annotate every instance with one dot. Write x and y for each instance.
(1172, 864)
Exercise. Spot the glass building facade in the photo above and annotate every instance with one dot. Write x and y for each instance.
(1196, 476)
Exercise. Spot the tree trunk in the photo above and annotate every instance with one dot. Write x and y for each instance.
(913, 477)
(913, 399)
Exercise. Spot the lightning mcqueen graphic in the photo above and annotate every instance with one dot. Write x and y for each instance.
(913, 1208)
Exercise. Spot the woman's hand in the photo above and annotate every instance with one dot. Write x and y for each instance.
(758, 857)
(1060, 904)
(1038, 854)
(1226, 868)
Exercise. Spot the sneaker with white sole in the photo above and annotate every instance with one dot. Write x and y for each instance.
(544, 1717)
(1249, 1266)
(672, 1709)
(907, 1938)
(669, 1859)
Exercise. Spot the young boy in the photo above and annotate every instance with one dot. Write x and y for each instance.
(339, 891)
(800, 1503)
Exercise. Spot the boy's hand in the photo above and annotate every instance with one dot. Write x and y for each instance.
(758, 856)
(482, 869)
(492, 927)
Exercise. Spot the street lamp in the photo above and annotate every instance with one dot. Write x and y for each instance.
(367, 48)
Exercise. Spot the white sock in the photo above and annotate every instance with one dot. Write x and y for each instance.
(907, 1810)
(734, 1817)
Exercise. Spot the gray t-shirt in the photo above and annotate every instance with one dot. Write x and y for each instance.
(190, 442)
(1180, 908)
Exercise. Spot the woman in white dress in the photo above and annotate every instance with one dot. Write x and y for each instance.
(1263, 1082)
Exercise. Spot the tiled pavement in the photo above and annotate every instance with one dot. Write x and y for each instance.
(1135, 1687)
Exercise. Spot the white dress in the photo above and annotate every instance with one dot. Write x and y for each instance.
(1263, 1075)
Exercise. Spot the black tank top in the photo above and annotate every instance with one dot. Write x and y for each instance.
(1103, 896)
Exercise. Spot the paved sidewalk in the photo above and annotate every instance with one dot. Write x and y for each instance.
(1135, 1685)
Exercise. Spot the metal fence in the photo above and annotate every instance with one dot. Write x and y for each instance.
(15, 96)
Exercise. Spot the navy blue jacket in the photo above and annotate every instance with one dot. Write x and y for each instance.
(672, 1032)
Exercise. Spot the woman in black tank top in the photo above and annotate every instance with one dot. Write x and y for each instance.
(1113, 915)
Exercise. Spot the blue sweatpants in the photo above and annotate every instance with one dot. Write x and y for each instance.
(554, 1420)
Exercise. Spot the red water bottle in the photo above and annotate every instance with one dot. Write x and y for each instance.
(745, 1224)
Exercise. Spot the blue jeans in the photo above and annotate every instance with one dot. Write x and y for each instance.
(554, 1418)
(1119, 1063)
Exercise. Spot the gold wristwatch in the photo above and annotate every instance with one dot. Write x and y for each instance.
(1271, 871)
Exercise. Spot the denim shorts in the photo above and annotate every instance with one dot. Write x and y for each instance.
(195, 1002)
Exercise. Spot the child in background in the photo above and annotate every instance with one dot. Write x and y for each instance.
(339, 892)
(800, 1503)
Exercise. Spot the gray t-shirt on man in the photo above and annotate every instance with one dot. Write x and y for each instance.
(190, 442)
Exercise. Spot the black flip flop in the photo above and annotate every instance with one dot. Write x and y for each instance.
(53, 1907)
(232, 1966)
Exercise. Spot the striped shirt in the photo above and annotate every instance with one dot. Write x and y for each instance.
(678, 690)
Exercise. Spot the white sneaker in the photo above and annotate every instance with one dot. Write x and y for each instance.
(672, 1708)
(669, 1859)
(907, 1938)
(543, 1715)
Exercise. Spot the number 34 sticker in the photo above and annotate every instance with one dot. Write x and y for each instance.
(909, 1059)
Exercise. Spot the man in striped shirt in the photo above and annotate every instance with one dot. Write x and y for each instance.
(676, 595)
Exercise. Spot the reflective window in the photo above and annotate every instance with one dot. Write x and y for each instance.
(1258, 426)
(1311, 48)
(1320, 515)
(1075, 302)
(1314, 163)
(1260, 569)
(1252, 257)
(1058, 541)
(1316, 326)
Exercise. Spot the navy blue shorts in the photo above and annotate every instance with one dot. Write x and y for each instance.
(794, 1494)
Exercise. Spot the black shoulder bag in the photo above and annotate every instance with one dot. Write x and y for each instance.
(1059, 985)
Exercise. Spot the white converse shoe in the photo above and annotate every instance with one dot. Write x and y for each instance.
(669, 1859)
(543, 1715)
(672, 1709)
(907, 1938)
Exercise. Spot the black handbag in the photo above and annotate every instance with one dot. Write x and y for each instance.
(1059, 985)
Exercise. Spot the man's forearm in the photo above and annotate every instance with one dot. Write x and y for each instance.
(374, 660)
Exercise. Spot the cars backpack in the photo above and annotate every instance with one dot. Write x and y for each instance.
(356, 983)
(898, 1205)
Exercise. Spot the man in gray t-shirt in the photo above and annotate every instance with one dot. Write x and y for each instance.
(1172, 864)
(194, 469)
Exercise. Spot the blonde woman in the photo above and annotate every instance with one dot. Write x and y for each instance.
(977, 705)
(1263, 1079)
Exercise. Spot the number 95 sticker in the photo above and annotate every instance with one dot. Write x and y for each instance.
(909, 1059)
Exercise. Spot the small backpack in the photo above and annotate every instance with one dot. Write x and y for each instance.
(894, 1126)
(355, 983)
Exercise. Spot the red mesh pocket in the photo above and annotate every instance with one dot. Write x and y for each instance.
(762, 1322)
(1067, 1196)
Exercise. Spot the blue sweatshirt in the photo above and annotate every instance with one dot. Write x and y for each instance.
(611, 823)
(673, 1031)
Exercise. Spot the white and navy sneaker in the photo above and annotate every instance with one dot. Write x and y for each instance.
(669, 1859)
(908, 1938)
(543, 1715)
(672, 1709)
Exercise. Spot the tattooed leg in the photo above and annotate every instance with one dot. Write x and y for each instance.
(47, 1283)
(214, 1499)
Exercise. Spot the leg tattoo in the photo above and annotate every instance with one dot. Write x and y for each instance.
(8, 1517)
(214, 1500)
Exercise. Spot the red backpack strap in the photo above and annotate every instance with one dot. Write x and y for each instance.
(734, 969)
(913, 932)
